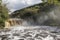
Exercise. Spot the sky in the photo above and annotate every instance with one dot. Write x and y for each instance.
(19, 4)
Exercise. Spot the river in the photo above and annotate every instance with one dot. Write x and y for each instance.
(30, 33)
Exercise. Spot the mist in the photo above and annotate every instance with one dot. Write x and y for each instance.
(44, 18)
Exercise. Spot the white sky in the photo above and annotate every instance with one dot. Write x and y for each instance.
(18, 4)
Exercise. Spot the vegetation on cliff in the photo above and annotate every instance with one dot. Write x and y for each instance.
(3, 14)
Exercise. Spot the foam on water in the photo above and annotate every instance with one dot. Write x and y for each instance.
(30, 33)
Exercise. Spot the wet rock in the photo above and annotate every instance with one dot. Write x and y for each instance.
(16, 34)
(21, 39)
(27, 35)
(54, 32)
(4, 37)
(30, 39)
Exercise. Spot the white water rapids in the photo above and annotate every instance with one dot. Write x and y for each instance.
(30, 33)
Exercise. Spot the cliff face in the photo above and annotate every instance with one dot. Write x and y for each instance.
(39, 14)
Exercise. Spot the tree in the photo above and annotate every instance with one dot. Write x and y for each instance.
(55, 2)
(3, 14)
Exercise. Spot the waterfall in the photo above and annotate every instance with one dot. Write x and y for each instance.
(33, 27)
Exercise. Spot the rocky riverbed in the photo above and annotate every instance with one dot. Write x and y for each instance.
(30, 33)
